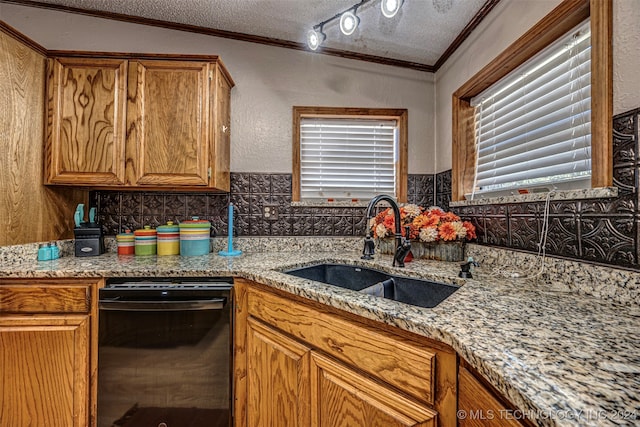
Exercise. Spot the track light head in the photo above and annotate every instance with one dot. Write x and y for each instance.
(348, 22)
(390, 7)
(315, 38)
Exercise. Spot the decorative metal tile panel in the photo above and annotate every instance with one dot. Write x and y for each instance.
(443, 182)
(239, 183)
(281, 184)
(259, 183)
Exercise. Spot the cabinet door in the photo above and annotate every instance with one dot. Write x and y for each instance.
(168, 122)
(278, 379)
(340, 397)
(86, 121)
(44, 371)
(479, 407)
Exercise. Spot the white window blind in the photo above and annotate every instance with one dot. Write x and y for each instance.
(533, 127)
(347, 158)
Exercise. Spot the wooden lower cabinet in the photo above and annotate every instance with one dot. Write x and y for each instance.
(481, 407)
(301, 364)
(278, 383)
(45, 357)
(341, 397)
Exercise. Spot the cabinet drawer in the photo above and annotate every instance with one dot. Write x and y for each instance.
(393, 359)
(44, 298)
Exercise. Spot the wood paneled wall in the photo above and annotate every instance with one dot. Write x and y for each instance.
(29, 211)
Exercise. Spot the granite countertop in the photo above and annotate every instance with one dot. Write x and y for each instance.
(560, 357)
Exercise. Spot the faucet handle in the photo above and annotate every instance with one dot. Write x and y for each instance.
(465, 269)
(369, 247)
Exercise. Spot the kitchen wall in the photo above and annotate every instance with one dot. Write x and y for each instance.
(504, 25)
(270, 81)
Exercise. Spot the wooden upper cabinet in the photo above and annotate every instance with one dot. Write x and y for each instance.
(85, 137)
(170, 123)
(168, 118)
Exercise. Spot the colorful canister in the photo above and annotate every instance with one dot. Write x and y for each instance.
(125, 241)
(145, 241)
(194, 237)
(168, 239)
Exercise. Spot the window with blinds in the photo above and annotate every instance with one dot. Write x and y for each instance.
(347, 158)
(533, 127)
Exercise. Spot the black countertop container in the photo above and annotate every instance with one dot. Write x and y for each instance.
(88, 240)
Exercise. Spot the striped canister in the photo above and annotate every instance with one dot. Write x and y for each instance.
(168, 239)
(195, 237)
(145, 241)
(125, 241)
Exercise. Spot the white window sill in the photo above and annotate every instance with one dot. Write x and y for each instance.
(589, 193)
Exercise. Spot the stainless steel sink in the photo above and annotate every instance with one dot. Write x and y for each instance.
(419, 292)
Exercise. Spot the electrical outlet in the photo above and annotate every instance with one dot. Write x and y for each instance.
(270, 212)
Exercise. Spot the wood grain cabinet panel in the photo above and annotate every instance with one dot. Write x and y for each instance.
(401, 363)
(168, 122)
(343, 398)
(86, 121)
(47, 352)
(44, 298)
(291, 354)
(152, 122)
(44, 371)
(479, 407)
(278, 383)
(221, 129)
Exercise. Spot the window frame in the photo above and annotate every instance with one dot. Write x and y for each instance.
(399, 114)
(558, 22)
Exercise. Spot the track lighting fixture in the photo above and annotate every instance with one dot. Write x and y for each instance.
(349, 21)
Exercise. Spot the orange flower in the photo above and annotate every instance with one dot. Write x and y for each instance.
(471, 230)
(447, 231)
(450, 216)
(389, 222)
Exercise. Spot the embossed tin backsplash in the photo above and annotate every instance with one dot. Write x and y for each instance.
(250, 192)
(603, 231)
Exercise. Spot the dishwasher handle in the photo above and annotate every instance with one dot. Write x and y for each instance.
(115, 304)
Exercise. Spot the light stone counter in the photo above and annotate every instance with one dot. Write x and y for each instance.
(565, 358)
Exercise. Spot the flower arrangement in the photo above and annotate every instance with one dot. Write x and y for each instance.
(434, 224)
(426, 225)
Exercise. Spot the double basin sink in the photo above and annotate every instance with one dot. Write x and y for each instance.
(419, 292)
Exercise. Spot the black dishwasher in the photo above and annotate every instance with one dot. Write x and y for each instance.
(164, 352)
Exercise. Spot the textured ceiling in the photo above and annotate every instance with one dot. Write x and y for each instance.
(420, 33)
